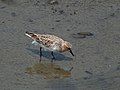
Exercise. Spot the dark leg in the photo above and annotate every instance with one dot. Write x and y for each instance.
(53, 57)
(40, 54)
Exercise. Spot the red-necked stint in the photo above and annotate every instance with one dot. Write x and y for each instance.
(50, 42)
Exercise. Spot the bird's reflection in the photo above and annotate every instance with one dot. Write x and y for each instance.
(47, 54)
(48, 71)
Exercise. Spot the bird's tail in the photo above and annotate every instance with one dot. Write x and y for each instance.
(32, 35)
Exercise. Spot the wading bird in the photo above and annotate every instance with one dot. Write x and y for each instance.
(50, 42)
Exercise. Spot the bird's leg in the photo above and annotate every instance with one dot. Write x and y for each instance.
(40, 54)
(53, 57)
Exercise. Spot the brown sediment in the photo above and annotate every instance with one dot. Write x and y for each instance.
(48, 71)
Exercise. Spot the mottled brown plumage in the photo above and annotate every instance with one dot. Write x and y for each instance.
(51, 42)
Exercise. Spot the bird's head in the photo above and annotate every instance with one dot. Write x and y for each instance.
(67, 47)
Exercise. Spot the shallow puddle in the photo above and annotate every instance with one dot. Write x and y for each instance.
(48, 71)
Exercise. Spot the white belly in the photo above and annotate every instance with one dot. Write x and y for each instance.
(52, 48)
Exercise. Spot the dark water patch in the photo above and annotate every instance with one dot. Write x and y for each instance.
(13, 14)
(88, 72)
(2, 7)
(82, 34)
(57, 20)
(85, 78)
(118, 67)
(61, 12)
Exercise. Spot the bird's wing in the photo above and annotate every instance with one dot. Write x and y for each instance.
(49, 40)
(45, 40)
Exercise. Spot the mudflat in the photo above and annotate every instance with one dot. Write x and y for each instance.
(91, 26)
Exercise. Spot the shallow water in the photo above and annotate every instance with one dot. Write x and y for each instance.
(96, 64)
(48, 71)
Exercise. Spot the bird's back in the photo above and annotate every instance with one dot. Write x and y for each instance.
(51, 41)
(45, 40)
(49, 38)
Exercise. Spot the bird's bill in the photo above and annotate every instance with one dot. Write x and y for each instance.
(71, 51)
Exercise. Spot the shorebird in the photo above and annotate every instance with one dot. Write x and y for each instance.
(50, 42)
